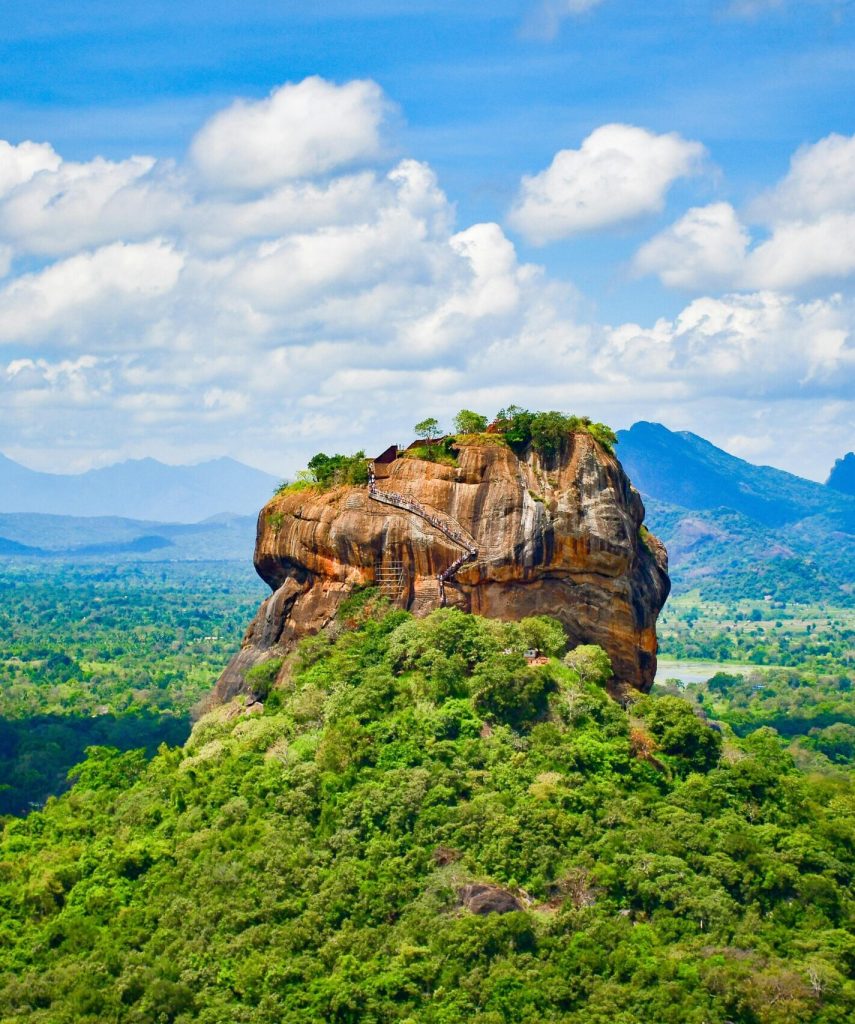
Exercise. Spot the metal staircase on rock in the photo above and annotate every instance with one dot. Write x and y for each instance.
(456, 536)
(390, 577)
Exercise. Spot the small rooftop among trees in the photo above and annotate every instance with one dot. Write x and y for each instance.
(515, 426)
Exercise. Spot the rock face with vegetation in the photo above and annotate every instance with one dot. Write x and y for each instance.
(561, 536)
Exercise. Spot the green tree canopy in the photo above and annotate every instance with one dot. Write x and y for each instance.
(468, 422)
(680, 733)
(428, 428)
(313, 862)
(515, 423)
(548, 432)
(331, 470)
(591, 663)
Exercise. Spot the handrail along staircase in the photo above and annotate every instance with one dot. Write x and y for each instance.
(411, 505)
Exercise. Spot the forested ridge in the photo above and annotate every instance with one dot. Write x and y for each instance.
(311, 862)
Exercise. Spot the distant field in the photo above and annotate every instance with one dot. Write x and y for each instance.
(107, 654)
(697, 671)
(819, 637)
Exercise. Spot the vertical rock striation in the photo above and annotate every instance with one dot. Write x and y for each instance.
(562, 539)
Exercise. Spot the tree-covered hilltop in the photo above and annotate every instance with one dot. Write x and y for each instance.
(327, 859)
(520, 428)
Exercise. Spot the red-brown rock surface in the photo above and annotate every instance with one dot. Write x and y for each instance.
(563, 541)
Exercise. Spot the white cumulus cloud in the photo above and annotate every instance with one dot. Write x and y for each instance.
(299, 131)
(22, 162)
(821, 179)
(70, 206)
(619, 173)
(801, 252)
(706, 245)
(104, 284)
(808, 218)
(760, 344)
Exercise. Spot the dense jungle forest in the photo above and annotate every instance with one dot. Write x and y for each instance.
(334, 857)
(105, 654)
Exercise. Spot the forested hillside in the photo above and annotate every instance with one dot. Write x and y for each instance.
(418, 826)
(735, 530)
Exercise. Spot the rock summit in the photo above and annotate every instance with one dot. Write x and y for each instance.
(501, 533)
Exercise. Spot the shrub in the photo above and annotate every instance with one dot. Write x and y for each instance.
(363, 603)
(260, 678)
(325, 471)
(332, 470)
(604, 435)
(590, 663)
(442, 452)
(304, 482)
(275, 520)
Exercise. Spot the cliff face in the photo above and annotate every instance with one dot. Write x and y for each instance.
(562, 540)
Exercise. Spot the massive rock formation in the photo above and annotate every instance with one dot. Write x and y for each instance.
(563, 539)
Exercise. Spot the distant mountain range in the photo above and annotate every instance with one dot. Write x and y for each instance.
(732, 529)
(36, 536)
(138, 489)
(738, 530)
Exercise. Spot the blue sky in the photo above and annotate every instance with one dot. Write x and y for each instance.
(481, 95)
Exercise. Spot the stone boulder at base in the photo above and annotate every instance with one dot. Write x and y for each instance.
(519, 536)
(479, 898)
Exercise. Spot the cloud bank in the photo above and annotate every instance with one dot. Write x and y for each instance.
(286, 288)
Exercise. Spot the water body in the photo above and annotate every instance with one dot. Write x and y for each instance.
(699, 671)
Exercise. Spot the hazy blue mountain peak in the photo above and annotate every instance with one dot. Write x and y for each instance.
(842, 475)
(138, 489)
